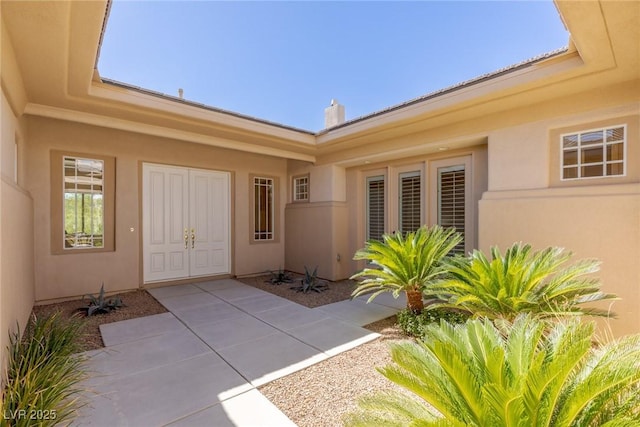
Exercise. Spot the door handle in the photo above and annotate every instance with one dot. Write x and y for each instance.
(193, 238)
(186, 238)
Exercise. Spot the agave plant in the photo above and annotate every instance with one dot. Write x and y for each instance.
(405, 263)
(100, 304)
(311, 282)
(520, 281)
(475, 374)
(279, 277)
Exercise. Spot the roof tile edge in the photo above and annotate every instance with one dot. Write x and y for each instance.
(476, 80)
(201, 105)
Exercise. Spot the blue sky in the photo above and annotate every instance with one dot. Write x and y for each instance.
(285, 61)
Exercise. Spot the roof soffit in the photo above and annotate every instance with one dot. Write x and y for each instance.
(39, 33)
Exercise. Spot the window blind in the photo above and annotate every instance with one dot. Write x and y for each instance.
(451, 201)
(375, 208)
(409, 202)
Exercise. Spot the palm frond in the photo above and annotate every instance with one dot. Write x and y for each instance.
(401, 263)
(521, 281)
(528, 372)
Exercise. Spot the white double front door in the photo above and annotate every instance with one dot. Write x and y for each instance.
(186, 222)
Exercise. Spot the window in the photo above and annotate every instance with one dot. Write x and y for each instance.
(83, 203)
(593, 153)
(451, 201)
(409, 205)
(301, 189)
(263, 209)
(375, 207)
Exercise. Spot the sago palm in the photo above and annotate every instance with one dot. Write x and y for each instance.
(405, 263)
(539, 374)
(520, 281)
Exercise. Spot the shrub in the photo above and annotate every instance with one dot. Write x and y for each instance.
(43, 373)
(405, 263)
(413, 323)
(520, 281)
(538, 374)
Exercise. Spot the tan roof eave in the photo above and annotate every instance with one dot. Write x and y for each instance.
(461, 97)
(160, 131)
(141, 99)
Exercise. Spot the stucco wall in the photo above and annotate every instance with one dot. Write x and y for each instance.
(526, 156)
(16, 214)
(316, 236)
(16, 260)
(69, 275)
(601, 223)
(593, 218)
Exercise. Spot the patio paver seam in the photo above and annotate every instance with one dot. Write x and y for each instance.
(280, 329)
(267, 323)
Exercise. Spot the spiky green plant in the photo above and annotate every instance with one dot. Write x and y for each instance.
(405, 263)
(311, 282)
(100, 304)
(520, 281)
(43, 373)
(279, 277)
(539, 374)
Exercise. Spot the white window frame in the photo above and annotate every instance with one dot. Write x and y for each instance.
(578, 148)
(269, 234)
(300, 188)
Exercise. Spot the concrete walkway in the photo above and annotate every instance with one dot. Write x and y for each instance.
(200, 363)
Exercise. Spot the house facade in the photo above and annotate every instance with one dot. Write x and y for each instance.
(544, 152)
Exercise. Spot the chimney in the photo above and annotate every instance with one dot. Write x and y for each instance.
(180, 93)
(333, 114)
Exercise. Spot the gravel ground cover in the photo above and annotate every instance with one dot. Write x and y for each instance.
(137, 304)
(338, 291)
(322, 394)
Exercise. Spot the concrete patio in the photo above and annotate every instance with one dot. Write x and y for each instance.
(200, 363)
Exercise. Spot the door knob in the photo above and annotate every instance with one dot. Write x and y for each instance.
(186, 238)
(193, 238)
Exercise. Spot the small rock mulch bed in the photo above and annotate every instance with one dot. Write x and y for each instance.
(337, 291)
(320, 395)
(136, 304)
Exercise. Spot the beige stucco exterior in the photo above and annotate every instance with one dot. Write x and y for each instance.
(63, 276)
(504, 127)
(594, 218)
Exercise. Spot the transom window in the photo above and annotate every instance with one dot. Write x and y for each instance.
(594, 153)
(263, 209)
(301, 189)
(83, 203)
